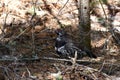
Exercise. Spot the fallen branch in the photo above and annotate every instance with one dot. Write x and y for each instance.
(93, 61)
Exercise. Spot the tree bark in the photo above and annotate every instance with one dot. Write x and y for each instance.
(84, 24)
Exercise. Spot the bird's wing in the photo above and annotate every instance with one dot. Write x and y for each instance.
(62, 51)
(71, 49)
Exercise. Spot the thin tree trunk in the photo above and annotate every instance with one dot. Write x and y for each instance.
(84, 23)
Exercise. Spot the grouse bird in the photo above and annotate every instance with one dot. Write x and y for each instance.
(65, 47)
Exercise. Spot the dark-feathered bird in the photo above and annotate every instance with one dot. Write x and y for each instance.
(65, 47)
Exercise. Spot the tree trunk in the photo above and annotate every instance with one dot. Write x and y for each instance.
(84, 24)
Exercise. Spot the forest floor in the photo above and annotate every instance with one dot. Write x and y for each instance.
(27, 41)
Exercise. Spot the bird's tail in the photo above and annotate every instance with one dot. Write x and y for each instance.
(90, 54)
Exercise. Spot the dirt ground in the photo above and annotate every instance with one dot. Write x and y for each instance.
(27, 42)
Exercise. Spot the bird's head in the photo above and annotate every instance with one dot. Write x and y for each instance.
(60, 32)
